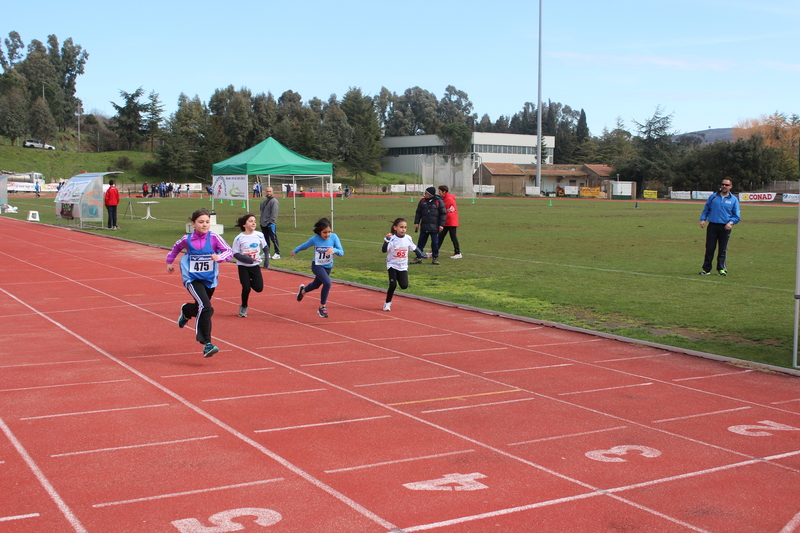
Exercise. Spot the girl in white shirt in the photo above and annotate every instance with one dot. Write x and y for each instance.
(397, 245)
(248, 248)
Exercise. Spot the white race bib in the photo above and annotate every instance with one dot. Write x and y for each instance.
(200, 263)
(319, 256)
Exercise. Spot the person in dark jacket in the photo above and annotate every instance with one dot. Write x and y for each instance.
(429, 221)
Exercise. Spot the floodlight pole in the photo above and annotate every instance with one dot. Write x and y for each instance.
(539, 111)
(797, 274)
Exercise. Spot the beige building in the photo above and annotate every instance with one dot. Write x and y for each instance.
(516, 179)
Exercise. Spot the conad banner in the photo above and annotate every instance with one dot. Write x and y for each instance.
(794, 198)
(757, 196)
(230, 187)
(650, 194)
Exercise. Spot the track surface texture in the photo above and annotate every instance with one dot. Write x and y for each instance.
(425, 418)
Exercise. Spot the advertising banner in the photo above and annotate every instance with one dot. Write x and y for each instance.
(533, 190)
(701, 195)
(229, 187)
(590, 192)
(650, 194)
(680, 195)
(757, 196)
(792, 198)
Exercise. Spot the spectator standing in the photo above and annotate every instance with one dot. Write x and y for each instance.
(720, 213)
(451, 220)
(269, 217)
(111, 200)
(429, 221)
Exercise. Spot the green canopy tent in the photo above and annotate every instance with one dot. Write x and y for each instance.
(270, 158)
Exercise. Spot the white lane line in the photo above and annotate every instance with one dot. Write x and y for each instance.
(565, 343)
(18, 517)
(62, 506)
(78, 413)
(132, 446)
(65, 385)
(351, 361)
(527, 368)
(793, 526)
(299, 345)
(322, 424)
(785, 401)
(188, 492)
(262, 395)
(465, 351)
(476, 405)
(715, 375)
(160, 355)
(53, 363)
(701, 414)
(406, 381)
(633, 358)
(397, 461)
(566, 436)
(411, 338)
(219, 372)
(608, 388)
(503, 331)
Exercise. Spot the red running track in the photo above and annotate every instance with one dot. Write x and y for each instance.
(426, 418)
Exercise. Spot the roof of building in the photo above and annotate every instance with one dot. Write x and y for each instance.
(504, 169)
(601, 170)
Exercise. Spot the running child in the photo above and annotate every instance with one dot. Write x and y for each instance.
(396, 246)
(247, 249)
(203, 250)
(326, 244)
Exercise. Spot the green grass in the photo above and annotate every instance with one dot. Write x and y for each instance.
(602, 265)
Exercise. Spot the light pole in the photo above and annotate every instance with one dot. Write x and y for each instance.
(539, 111)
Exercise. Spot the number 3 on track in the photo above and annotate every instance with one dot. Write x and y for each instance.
(223, 522)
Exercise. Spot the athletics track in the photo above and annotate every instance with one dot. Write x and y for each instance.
(111, 421)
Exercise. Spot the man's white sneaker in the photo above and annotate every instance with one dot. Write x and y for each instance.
(387, 306)
(276, 256)
(455, 256)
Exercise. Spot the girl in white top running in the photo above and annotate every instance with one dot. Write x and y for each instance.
(397, 245)
(248, 249)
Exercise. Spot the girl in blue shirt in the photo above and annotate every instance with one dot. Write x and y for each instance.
(326, 244)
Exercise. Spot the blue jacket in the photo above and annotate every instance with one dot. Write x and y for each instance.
(721, 209)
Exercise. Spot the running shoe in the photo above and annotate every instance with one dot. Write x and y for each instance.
(387, 306)
(243, 311)
(455, 256)
(323, 312)
(704, 273)
(301, 293)
(209, 350)
(182, 320)
(276, 256)
(416, 261)
(435, 261)
(723, 272)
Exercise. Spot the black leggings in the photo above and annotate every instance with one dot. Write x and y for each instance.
(250, 278)
(200, 308)
(396, 277)
(452, 230)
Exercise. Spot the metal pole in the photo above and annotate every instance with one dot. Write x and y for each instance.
(539, 111)
(797, 274)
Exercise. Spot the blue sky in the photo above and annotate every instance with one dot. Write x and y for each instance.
(710, 63)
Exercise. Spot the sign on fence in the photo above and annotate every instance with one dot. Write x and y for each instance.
(756, 196)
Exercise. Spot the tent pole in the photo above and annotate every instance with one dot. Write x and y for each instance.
(294, 198)
(331, 189)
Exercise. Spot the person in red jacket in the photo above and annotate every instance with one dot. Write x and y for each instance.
(451, 221)
(112, 201)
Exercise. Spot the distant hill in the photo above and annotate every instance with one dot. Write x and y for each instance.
(710, 135)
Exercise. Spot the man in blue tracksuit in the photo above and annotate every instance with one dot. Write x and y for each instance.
(721, 212)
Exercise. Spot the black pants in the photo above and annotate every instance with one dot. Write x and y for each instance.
(200, 308)
(250, 278)
(112, 216)
(716, 236)
(423, 240)
(271, 236)
(452, 230)
(396, 277)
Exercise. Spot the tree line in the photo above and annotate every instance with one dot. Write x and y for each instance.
(348, 131)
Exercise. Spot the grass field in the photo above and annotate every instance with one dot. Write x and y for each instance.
(604, 265)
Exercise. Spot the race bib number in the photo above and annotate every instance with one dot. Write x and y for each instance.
(319, 255)
(400, 253)
(200, 263)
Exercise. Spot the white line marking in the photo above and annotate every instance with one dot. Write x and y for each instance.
(564, 343)
(476, 405)
(322, 424)
(188, 492)
(566, 436)
(700, 414)
(633, 358)
(785, 401)
(164, 443)
(465, 351)
(503, 331)
(18, 517)
(793, 526)
(528, 368)
(65, 385)
(62, 506)
(608, 388)
(406, 338)
(78, 413)
(299, 345)
(53, 363)
(405, 381)
(384, 463)
(261, 395)
(218, 372)
(160, 355)
(715, 375)
(351, 361)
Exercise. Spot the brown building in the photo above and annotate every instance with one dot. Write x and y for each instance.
(516, 179)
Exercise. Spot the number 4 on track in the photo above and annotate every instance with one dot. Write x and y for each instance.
(450, 482)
